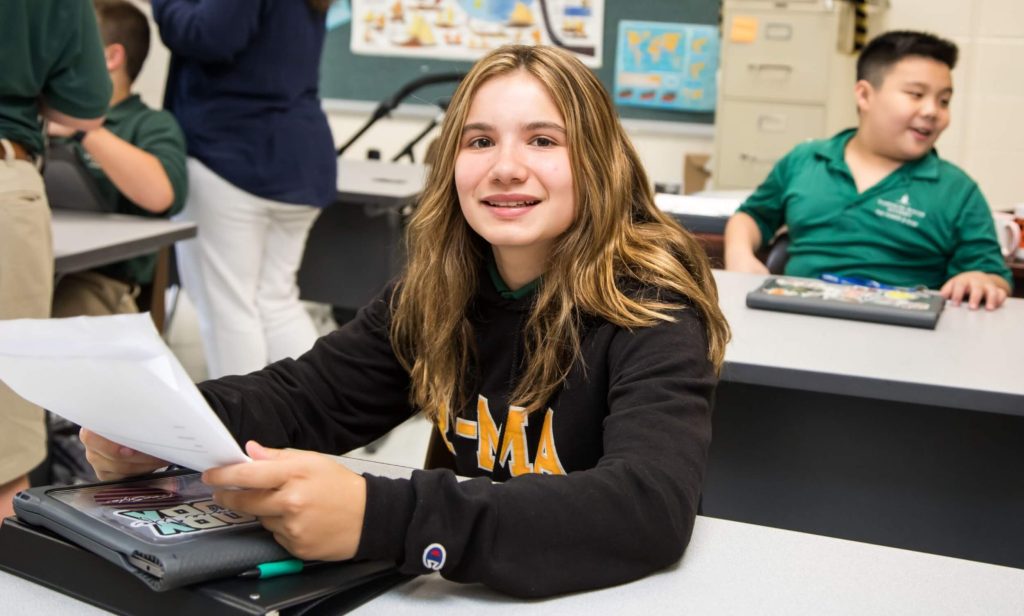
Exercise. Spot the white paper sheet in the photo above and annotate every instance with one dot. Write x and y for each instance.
(698, 205)
(115, 376)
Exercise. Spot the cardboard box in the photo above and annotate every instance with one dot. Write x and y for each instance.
(695, 173)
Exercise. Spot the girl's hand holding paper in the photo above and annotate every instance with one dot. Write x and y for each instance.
(313, 505)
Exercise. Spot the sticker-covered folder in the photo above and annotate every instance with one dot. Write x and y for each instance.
(908, 307)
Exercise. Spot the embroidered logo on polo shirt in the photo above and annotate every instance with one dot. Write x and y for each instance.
(434, 556)
(900, 211)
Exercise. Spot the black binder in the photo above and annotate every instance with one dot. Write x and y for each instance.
(40, 556)
(115, 543)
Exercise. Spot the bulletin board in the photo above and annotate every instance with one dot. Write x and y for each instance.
(348, 76)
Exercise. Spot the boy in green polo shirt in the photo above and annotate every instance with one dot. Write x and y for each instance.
(877, 202)
(138, 160)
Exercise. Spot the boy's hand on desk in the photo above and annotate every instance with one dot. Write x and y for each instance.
(313, 505)
(975, 286)
(113, 461)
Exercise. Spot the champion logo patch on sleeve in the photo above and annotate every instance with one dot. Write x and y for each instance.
(434, 556)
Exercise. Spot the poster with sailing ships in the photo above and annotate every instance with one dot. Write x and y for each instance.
(468, 29)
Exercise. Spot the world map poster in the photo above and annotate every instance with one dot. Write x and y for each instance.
(468, 29)
(666, 65)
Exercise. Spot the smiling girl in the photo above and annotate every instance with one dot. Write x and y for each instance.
(563, 334)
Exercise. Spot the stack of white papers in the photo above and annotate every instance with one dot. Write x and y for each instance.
(696, 205)
(115, 376)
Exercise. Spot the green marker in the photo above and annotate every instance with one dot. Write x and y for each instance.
(274, 569)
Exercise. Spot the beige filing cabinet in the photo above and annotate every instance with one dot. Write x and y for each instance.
(787, 75)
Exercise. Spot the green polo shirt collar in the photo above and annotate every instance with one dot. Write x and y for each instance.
(128, 107)
(502, 288)
(834, 152)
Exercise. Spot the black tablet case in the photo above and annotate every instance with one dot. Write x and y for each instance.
(171, 520)
(40, 556)
(908, 307)
(119, 519)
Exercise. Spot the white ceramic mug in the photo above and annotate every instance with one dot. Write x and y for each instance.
(1018, 212)
(1007, 232)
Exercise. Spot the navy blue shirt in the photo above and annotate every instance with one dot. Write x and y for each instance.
(243, 84)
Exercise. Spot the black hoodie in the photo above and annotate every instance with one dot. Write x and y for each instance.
(597, 488)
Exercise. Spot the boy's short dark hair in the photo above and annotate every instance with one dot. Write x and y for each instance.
(122, 23)
(889, 48)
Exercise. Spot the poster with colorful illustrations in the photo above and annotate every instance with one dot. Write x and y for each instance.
(468, 29)
(666, 65)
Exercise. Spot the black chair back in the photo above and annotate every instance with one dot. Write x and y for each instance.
(778, 254)
(69, 185)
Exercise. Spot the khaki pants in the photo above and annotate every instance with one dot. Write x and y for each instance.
(92, 294)
(26, 286)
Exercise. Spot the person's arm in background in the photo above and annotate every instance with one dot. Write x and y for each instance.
(742, 240)
(147, 173)
(73, 123)
(753, 223)
(207, 30)
(977, 271)
(78, 88)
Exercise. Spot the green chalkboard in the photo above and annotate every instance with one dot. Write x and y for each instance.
(347, 76)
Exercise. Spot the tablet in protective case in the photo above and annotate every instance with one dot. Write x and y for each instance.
(165, 529)
(895, 306)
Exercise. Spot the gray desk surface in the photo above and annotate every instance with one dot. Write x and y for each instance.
(972, 360)
(729, 568)
(379, 183)
(84, 240)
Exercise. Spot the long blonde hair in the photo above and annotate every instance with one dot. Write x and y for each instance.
(618, 236)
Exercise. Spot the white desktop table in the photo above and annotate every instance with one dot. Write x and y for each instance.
(974, 359)
(84, 240)
(728, 568)
(735, 568)
(379, 183)
(893, 435)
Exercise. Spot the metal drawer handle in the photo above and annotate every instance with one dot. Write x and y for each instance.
(770, 67)
(778, 32)
(756, 160)
(771, 123)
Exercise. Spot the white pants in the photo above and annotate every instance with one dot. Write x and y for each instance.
(240, 273)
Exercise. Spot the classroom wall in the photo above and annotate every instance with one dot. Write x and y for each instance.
(986, 136)
(150, 82)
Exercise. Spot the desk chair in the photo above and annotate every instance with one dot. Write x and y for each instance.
(69, 185)
(778, 254)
